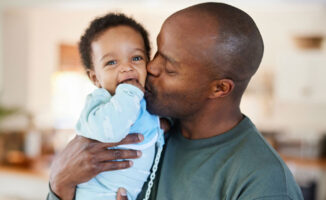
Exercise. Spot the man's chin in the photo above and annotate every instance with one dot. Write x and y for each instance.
(149, 102)
(154, 106)
(156, 109)
(150, 110)
(150, 105)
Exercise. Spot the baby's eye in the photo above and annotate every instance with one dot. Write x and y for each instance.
(111, 62)
(137, 58)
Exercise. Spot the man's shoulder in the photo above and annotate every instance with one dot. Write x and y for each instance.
(258, 158)
(263, 174)
(262, 167)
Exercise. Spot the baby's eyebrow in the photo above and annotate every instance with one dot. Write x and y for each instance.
(111, 54)
(139, 49)
(106, 55)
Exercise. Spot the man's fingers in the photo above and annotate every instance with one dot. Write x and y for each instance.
(132, 139)
(114, 165)
(129, 139)
(122, 194)
(117, 154)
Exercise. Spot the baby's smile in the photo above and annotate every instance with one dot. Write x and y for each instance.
(128, 77)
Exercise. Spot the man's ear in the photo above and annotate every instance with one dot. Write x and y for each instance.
(221, 88)
(92, 76)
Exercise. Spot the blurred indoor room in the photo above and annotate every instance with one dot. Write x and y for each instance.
(43, 84)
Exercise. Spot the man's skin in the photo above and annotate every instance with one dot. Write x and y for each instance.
(191, 79)
(84, 158)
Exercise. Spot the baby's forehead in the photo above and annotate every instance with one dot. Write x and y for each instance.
(118, 31)
(122, 34)
(119, 34)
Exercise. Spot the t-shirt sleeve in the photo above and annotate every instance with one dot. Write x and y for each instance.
(51, 195)
(108, 118)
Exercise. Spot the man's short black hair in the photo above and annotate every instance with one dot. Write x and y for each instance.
(99, 25)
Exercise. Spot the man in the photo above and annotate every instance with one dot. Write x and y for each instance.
(206, 56)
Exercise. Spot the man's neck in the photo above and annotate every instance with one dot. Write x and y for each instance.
(209, 124)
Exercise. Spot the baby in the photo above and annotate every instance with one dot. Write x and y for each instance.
(115, 50)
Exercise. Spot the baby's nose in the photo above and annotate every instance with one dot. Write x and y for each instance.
(126, 68)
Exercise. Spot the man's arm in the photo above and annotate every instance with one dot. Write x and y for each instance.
(82, 159)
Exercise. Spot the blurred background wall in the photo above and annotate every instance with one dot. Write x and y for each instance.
(43, 85)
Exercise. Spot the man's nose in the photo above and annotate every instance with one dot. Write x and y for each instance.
(153, 68)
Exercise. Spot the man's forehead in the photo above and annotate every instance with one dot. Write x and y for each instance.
(190, 24)
(170, 37)
(179, 39)
(184, 30)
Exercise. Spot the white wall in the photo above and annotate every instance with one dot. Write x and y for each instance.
(287, 109)
(1, 52)
(15, 58)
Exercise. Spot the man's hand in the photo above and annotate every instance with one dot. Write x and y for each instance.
(122, 194)
(83, 158)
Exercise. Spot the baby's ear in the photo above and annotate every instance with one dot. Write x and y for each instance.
(92, 76)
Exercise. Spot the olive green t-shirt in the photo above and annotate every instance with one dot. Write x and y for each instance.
(238, 164)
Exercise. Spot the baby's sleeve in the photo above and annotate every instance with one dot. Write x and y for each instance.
(108, 118)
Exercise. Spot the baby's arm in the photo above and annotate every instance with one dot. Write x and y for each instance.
(109, 119)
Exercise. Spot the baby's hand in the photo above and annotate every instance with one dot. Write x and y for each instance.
(135, 82)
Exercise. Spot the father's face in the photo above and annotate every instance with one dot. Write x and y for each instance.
(177, 82)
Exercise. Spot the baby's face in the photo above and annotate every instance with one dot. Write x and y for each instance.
(118, 55)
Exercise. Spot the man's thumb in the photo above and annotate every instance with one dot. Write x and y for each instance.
(122, 194)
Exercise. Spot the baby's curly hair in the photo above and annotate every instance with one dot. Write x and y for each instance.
(99, 25)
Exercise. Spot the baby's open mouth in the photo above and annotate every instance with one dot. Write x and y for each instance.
(129, 80)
